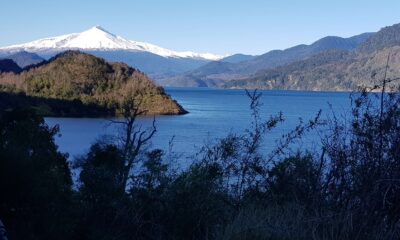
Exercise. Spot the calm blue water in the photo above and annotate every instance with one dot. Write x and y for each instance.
(213, 114)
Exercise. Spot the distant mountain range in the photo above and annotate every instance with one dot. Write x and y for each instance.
(24, 59)
(330, 63)
(18, 61)
(218, 73)
(155, 61)
(343, 70)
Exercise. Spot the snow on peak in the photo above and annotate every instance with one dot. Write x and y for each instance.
(97, 38)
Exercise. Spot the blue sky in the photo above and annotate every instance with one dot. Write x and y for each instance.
(217, 26)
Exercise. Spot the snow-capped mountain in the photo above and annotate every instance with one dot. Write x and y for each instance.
(99, 39)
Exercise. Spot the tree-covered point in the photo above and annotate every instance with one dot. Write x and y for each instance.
(73, 75)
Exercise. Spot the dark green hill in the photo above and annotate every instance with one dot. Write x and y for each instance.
(74, 75)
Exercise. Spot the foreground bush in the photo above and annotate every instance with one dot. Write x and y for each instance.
(232, 190)
(35, 180)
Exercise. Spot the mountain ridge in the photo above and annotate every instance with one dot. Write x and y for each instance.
(8, 65)
(24, 59)
(97, 38)
(363, 67)
(218, 73)
(156, 62)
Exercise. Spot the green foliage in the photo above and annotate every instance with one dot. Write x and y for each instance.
(35, 180)
(105, 211)
(197, 203)
(295, 179)
(101, 174)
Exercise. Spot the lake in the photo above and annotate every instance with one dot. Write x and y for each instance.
(213, 113)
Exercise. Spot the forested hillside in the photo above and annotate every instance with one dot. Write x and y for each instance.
(78, 76)
(335, 71)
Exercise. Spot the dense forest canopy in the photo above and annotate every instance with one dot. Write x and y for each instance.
(74, 75)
